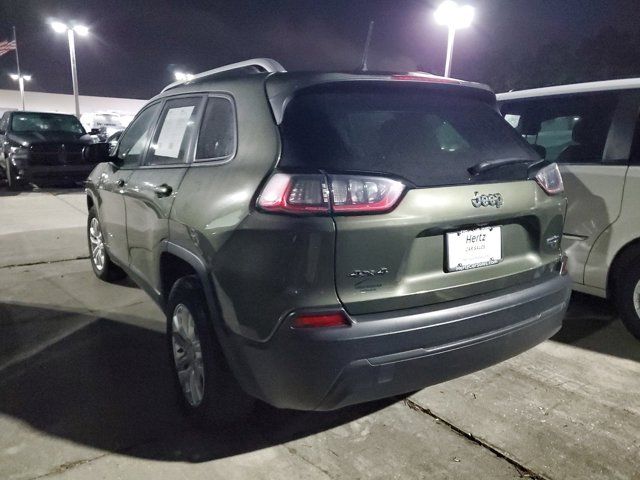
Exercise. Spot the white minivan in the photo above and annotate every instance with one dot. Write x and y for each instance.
(591, 130)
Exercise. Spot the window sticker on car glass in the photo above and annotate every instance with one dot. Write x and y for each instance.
(172, 132)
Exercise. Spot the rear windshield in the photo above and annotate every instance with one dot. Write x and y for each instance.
(46, 122)
(428, 138)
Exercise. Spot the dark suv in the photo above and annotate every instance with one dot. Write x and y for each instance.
(41, 146)
(318, 240)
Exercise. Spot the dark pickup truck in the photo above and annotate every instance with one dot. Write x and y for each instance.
(42, 147)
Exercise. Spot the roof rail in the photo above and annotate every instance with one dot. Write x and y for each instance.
(266, 64)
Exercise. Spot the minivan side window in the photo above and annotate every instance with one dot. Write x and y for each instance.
(217, 139)
(571, 129)
(134, 141)
(175, 130)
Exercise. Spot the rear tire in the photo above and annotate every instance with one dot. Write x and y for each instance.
(627, 293)
(101, 264)
(207, 389)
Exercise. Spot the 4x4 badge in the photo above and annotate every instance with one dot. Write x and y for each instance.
(490, 200)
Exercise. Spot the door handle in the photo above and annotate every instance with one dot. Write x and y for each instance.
(163, 190)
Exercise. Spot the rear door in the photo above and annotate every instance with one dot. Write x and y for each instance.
(589, 136)
(113, 180)
(152, 187)
(423, 251)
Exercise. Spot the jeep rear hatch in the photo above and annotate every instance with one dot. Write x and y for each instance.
(453, 231)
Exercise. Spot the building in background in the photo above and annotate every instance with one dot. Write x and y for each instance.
(94, 109)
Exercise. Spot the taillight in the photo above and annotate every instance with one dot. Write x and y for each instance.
(550, 179)
(295, 194)
(321, 320)
(320, 194)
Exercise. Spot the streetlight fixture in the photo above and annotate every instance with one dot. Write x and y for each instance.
(453, 16)
(71, 30)
(182, 76)
(21, 78)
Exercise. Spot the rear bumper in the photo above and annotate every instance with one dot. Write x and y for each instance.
(392, 353)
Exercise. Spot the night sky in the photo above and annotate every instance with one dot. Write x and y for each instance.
(135, 45)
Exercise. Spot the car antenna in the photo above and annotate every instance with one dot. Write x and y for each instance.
(365, 54)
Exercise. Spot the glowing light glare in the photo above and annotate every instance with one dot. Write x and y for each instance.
(182, 76)
(15, 76)
(81, 30)
(59, 27)
(452, 15)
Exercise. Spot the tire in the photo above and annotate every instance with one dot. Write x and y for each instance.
(101, 264)
(207, 390)
(627, 293)
(10, 173)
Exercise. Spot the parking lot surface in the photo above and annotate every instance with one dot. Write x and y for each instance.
(86, 392)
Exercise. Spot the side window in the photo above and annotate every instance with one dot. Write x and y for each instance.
(217, 138)
(571, 129)
(174, 132)
(134, 141)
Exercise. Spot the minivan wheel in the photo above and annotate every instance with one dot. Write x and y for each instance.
(207, 389)
(627, 295)
(101, 264)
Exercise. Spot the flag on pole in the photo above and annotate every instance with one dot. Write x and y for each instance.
(6, 46)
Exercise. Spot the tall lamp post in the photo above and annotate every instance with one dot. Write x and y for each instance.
(454, 17)
(21, 79)
(81, 30)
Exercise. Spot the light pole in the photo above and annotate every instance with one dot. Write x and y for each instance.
(453, 16)
(81, 30)
(21, 79)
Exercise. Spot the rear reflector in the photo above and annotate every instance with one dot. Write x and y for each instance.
(320, 194)
(337, 319)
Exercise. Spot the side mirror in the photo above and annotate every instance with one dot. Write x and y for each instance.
(96, 153)
(95, 131)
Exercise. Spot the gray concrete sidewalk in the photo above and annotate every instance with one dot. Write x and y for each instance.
(42, 226)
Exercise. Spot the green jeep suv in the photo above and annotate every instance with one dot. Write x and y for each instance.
(323, 239)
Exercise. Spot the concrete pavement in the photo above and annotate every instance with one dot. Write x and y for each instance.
(85, 391)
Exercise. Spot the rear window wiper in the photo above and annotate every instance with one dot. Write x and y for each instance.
(481, 167)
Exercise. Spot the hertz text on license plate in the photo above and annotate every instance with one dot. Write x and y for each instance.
(469, 249)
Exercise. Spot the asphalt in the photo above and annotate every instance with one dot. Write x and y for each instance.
(85, 390)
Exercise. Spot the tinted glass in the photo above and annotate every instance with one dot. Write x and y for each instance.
(176, 127)
(46, 122)
(135, 139)
(427, 138)
(570, 129)
(217, 139)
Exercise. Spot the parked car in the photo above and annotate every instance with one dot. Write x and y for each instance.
(591, 130)
(318, 240)
(105, 123)
(39, 146)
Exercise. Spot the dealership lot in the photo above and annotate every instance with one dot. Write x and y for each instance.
(85, 389)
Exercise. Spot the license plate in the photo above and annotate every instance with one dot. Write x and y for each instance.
(469, 249)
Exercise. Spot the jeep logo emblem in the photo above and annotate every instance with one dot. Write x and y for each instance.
(490, 200)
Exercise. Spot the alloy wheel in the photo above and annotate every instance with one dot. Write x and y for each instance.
(636, 298)
(187, 355)
(98, 254)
